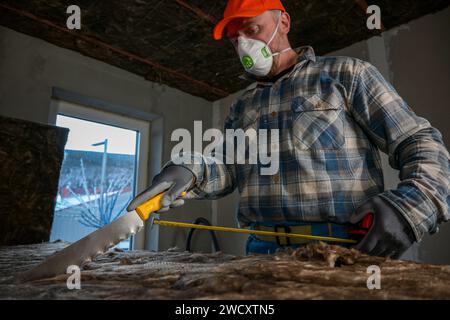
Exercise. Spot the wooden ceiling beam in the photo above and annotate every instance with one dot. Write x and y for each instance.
(199, 12)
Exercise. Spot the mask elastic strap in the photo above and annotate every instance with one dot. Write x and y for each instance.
(273, 36)
(276, 30)
(282, 51)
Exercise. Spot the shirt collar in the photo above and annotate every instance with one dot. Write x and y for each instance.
(305, 53)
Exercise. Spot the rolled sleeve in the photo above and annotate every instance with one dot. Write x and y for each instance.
(413, 146)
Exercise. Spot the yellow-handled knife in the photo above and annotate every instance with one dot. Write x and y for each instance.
(95, 243)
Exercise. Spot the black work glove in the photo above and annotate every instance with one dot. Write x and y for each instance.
(390, 234)
(174, 180)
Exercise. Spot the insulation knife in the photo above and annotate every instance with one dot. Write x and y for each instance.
(96, 243)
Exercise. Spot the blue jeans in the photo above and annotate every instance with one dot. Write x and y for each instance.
(255, 245)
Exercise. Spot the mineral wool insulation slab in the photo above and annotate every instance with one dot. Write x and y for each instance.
(318, 271)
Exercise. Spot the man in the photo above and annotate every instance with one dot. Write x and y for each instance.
(334, 114)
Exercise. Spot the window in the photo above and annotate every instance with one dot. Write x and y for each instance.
(104, 159)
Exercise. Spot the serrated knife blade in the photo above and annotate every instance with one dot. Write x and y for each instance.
(95, 243)
(87, 248)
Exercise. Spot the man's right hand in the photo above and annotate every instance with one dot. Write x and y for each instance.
(174, 180)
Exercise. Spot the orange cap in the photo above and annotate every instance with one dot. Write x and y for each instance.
(244, 9)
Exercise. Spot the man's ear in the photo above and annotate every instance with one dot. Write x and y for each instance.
(285, 23)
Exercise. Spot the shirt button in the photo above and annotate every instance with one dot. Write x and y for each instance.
(273, 114)
(276, 179)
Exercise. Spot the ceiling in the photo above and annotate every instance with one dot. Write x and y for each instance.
(170, 41)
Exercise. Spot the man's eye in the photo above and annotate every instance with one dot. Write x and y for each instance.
(252, 30)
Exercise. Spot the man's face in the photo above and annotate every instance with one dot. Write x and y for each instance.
(261, 28)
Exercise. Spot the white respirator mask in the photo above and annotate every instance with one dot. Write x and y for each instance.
(256, 56)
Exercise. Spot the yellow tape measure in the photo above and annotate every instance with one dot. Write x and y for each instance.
(154, 204)
(248, 231)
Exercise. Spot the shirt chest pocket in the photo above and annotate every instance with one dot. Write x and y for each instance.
(317, 122)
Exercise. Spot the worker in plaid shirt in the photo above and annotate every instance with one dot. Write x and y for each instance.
(333, 114)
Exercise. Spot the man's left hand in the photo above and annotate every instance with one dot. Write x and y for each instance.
(390, 234)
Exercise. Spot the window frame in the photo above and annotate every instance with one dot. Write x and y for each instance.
(143, 129)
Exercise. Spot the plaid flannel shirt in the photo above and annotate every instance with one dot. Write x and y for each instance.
(334, 114)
